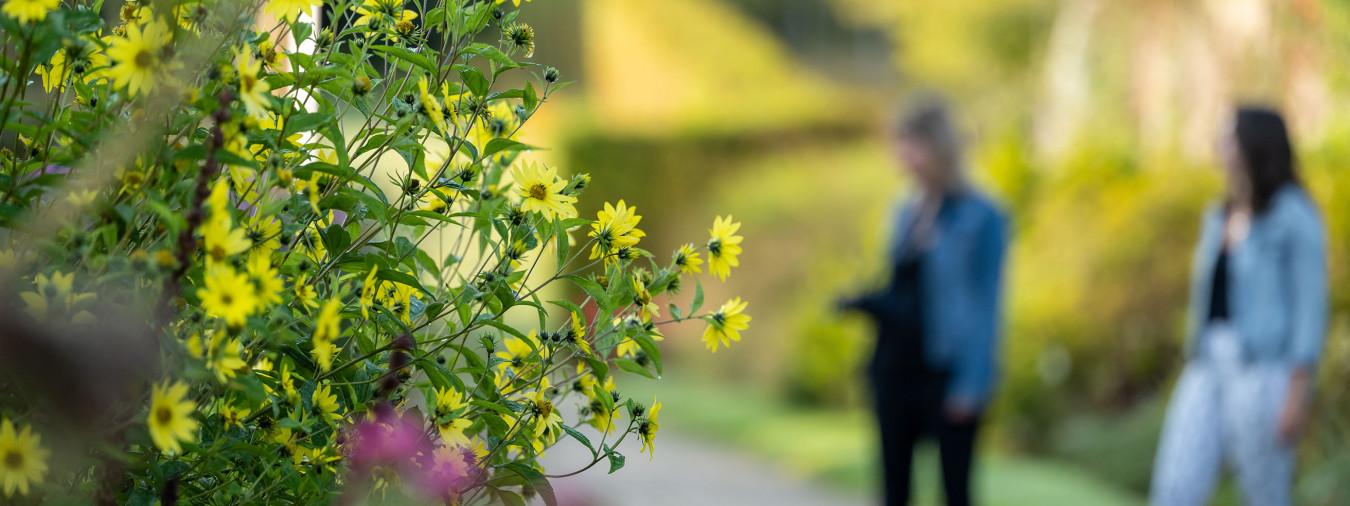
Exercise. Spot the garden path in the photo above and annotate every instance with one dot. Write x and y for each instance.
(687, 471)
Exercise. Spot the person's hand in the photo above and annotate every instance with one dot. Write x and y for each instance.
(958, 411)
(1294, 413)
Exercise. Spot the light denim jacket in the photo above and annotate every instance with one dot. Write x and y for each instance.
(1277, 281)
(962, 283)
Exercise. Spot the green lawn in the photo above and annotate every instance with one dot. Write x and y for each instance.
(836, 448)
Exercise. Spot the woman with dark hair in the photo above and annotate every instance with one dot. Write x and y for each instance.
(938, 317)
(1258, 313)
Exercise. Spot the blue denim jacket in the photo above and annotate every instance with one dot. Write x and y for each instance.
(962, 288)
(1277, 281)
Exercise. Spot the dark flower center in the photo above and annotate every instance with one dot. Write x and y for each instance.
(163, 415)
(144, 59)
(13, 460)
(538, 192)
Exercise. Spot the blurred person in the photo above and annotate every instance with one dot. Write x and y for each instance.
(1258, 312)
(938, 316)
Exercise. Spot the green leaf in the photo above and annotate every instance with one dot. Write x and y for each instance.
(536, 481)
(593, 289)
(500, 144)
(307, 122)
(579, 437)
(473, 79)
(414, 58)
(616, 461)
(698, 298)
(632, 366)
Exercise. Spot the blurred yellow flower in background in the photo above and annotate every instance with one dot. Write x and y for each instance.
(326, 329)
(228, 295)
(170, 417)
(136, 57)
(27, 11)
(23, 460)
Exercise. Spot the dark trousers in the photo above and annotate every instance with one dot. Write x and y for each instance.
(908, 412)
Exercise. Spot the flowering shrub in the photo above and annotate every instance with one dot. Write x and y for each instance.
(221, 291)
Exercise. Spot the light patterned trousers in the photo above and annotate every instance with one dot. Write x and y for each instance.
(1224, 410)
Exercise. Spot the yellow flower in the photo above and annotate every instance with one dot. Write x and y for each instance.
(27, 11)
(231, 415)
(222, 241)
(266, 280)
(265, 233)
(449, 400)
(225, 358)
(687, 260)
(431, 106)
(725, 325)
(518, 353)
(614, 229)
(23, 460)
(136, 57)
(253, 92)
(723, 247)
(647, 429)
(521, 37)
(327, 403)
(304, 292)
(513, 2)
(170, 416)
(372, 10)
(452, 432)
(577, 334)
(326, 329)
(368, 290)
(58, 288)
(290, 10)
(541, 191)
(398, 298)
(228, 295)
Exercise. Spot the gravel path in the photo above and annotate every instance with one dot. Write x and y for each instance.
(686, 471)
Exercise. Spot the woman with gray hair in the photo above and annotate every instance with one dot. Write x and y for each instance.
(938, 317)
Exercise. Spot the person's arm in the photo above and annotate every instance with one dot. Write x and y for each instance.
(977, 367)
(1308, 314)
(878, 302)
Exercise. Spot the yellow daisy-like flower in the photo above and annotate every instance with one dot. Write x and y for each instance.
(28, 11)
(452, 432)
(253, 91)
(326, 329)
(688, 260)
(513, 2)
(372, 10)
(615, 228)
(304, 292)
(647, 429)
(723, 247)
(368, 290)
(725, 325)
(232, 415)
(290, 10)
(266, 280)
(23, 460)
(170, 418)
(228, 295)
(518, 353)
(540, 191)
(431, 106)
(222, 241)
(576, 334)
(136, 57)
(327, 403)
